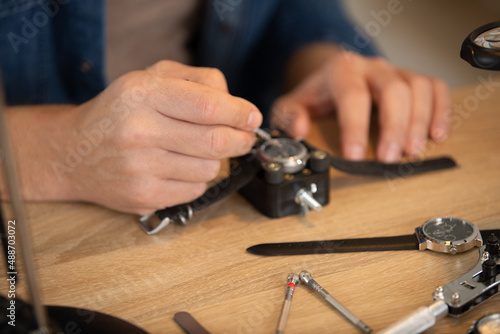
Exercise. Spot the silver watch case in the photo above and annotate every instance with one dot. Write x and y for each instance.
(461, 244)
(290, 153)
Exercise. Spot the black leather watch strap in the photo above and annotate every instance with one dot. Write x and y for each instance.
(239, 176)
(401, 242)
(391, 170)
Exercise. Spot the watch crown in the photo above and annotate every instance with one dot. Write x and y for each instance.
(453, 250)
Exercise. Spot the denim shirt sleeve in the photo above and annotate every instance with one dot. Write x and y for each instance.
(52, 51)
(251, 41)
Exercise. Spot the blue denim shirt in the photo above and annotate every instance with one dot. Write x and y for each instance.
(52, 51)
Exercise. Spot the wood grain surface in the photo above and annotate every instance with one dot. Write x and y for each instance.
(94, 258)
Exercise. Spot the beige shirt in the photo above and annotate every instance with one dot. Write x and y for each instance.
(142, 32)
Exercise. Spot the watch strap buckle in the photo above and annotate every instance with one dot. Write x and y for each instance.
(151, 226)
(145, 223)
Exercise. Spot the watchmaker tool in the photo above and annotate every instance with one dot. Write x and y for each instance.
(292, 280)
(458, 296)
(264, 135)
(11, 179)
(189, 323)
(307, 278)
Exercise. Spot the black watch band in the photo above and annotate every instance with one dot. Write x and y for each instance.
(239, 176)
(394, 243)
(391, 170)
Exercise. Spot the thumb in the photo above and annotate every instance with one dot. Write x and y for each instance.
(291, 116)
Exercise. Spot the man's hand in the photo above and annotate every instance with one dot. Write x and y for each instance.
(152, 139)
(411, 107)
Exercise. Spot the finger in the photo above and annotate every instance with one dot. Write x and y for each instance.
(208, 76)
(393, 97)
(201, 141)
(165, 193)
(440, 123)
(174, 166)
(352, 101)
(291, 116)
(422, 109)
(200, 104)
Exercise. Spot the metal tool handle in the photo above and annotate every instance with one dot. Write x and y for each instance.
(420, 320)
(285, 310)
(292, 280)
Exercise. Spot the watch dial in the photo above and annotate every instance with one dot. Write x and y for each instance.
(448, 229)
(282, 148)
(290, 153)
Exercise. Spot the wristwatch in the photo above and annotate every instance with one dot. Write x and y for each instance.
(448, 235)
(282, 176)
(444, 235)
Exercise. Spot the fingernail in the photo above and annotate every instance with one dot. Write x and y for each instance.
(416, 146)
(354, 152)
(254, 119)
(390, 152)
(439, 135)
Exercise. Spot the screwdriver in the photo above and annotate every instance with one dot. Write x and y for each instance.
(263, 134)
(292, 280)
(307, 278)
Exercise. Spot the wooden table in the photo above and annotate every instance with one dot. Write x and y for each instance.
(94, 258)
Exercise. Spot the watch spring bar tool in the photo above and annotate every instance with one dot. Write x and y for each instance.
(263, 134)
(292, 280)
(307, 278)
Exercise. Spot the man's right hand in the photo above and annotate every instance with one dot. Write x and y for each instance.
(152, 139)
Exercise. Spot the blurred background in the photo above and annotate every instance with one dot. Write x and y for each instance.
(426, 35)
